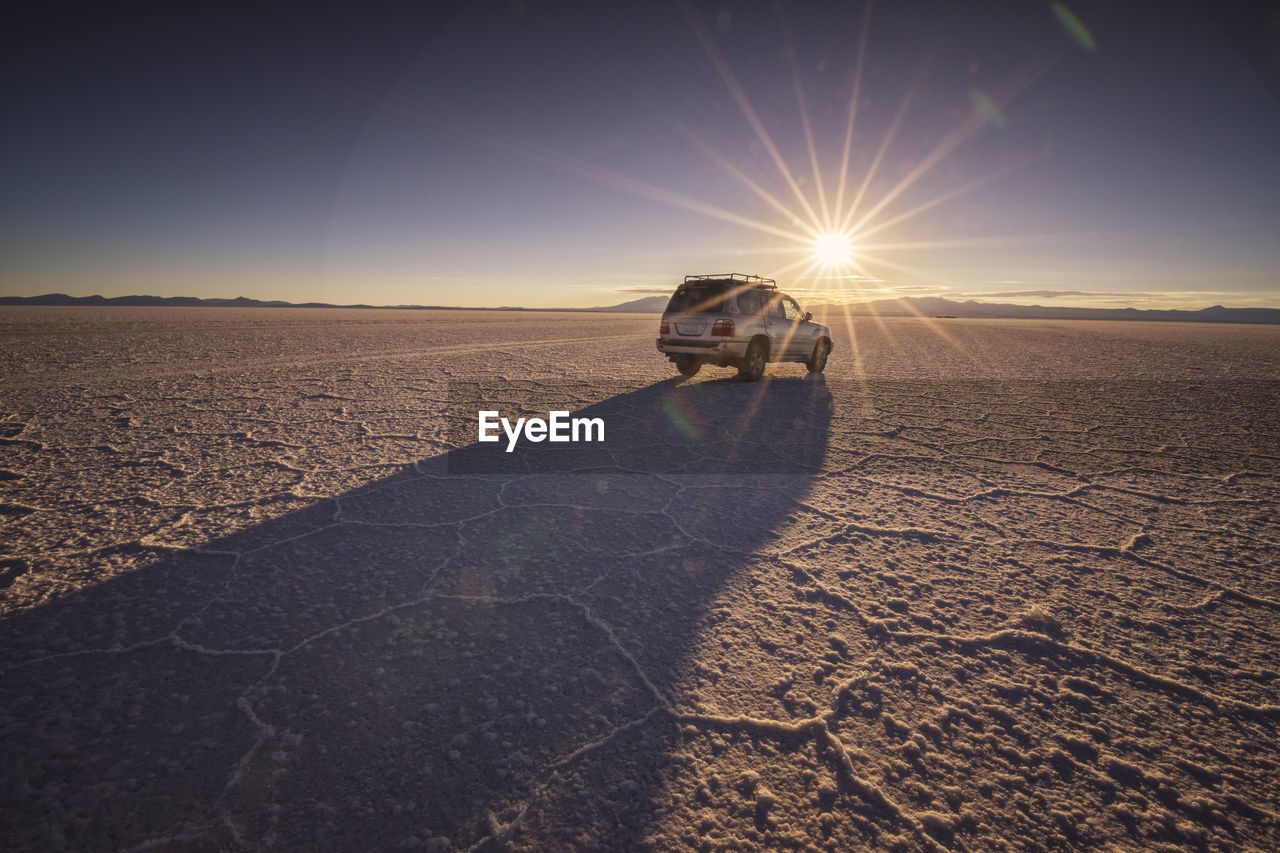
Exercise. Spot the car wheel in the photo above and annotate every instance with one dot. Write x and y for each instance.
(753, 365)
(818, 361)
(688, 365)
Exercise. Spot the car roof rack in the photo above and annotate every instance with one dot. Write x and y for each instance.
(753, 280)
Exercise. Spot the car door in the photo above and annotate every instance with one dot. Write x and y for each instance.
(797, 342)
(777, 326)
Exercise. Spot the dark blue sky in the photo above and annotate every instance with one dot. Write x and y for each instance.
(582, 154)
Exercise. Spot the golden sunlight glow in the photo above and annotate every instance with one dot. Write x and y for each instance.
(840, 236)
(833, 249)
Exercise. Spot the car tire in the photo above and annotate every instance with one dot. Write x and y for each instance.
(688, 365)
(754, 362)
(818, 361)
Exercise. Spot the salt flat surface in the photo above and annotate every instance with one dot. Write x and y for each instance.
(1012, 585)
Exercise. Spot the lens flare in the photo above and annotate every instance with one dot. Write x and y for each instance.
(1074, 27)
(687, 420)
(986, 106)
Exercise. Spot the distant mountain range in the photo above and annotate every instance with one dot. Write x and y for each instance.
(238, 302)
(928, 306)
(172, 301)
(646, 305)
(935, 306)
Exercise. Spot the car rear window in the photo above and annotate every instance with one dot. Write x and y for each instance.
(750, 301)
(698, 299)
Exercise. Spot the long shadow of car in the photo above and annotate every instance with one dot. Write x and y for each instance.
(414, 660)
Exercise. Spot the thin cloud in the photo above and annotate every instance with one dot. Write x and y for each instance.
(1183, 299)
(838, 291)
(1048, 294)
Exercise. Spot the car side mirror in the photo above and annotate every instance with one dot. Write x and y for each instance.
(808, 315)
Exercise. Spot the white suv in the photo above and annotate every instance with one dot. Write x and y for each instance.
(742, 321)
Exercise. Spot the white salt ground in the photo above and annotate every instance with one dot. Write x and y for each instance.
(990, 585)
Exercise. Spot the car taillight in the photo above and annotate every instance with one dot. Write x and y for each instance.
(664, 328)
(722, 329)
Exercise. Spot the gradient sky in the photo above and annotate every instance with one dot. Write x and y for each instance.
(555, 154)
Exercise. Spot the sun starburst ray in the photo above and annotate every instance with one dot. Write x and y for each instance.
(932, 203)
(637, 187)
(889, 136)
(932, 324)
(893, 265)
(853, 108)
(971, 124)
(723, 162)
(855, 351)
(805, 125)
(955, 243)
(748, 111)
(949, 143)
(806, 261)
(832, 241)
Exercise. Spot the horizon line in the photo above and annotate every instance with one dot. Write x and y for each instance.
(53, 300)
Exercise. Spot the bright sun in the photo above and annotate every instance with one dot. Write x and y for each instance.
(832, 249)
